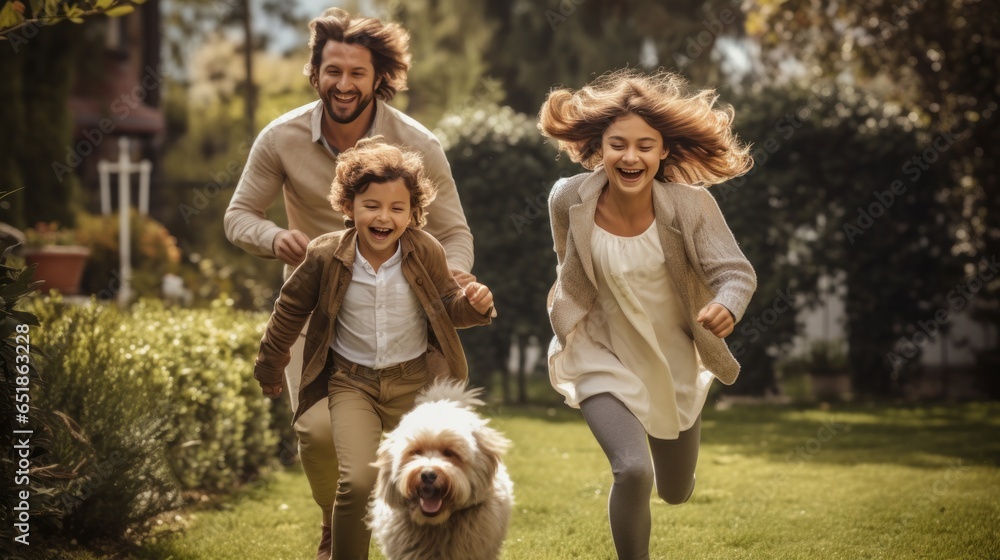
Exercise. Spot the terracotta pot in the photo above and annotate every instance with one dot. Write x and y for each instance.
(60, 266)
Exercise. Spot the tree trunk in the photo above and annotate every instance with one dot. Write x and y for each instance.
(522, 378)
(250, 89)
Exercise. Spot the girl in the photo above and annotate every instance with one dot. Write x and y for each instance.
(650, 279)
(381, 296)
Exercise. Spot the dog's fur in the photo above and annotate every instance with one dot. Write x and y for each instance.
(443, 492)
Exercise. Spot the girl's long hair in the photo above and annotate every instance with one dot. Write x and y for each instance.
(702, 146)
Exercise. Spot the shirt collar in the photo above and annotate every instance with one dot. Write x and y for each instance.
(360, 259)
(316, 123)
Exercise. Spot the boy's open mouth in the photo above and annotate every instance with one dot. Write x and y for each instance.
(380, 234)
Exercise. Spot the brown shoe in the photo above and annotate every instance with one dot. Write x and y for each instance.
(325, 544)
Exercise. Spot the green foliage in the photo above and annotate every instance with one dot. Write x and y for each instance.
(825, 357)
(448, 42)
(207, 149)
(40, 136)
(569, 42)
(50, 233)
(938, 61)
(19, 377)
(110, 446)
(152, 401)
(17, 14)
(504, 171)
(822, 158)
(154, 253)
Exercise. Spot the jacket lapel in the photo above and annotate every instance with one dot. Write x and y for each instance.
(581, 219)
(671, 239)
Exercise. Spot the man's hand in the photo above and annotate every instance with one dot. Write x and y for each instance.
(271, 391)
(463, 278)
(716, 318)
(290, 246)
(479, 296)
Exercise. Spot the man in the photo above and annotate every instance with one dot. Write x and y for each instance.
(356, 65)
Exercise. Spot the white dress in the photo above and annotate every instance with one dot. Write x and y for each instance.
(635, 342)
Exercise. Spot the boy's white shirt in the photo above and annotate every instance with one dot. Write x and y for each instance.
(381, 322)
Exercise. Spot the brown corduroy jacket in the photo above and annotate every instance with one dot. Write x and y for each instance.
(317, 288)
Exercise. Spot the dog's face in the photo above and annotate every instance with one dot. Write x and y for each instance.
(442, 458)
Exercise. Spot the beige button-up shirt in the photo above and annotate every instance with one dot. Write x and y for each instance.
(289, 157)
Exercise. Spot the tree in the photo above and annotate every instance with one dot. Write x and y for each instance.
(835, 190)
(504, 171)
(937, 61)
(38, 152)
(448, 42)
(570, 42)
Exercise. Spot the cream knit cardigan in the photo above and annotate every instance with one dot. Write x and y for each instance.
(703, 259)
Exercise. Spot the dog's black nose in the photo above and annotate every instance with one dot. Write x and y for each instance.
(428, 477)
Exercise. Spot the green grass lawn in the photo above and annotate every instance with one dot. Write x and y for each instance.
(849, 482)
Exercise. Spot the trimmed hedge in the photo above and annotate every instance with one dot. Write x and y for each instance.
(154, 401)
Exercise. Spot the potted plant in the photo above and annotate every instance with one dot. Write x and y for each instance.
(59, 255)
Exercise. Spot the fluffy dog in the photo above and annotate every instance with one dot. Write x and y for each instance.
(442, 492)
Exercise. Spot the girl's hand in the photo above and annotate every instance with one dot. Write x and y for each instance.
(716, 318)
(271, 391)
(479, 296)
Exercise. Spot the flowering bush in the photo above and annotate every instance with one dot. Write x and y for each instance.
(154, 253)
(50, 233)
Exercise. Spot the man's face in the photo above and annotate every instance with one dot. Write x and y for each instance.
(345, 81)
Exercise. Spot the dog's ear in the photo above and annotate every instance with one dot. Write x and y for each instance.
(385, 487)
(492, 444)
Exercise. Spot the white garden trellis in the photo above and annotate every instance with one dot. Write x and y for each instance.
(124, 168)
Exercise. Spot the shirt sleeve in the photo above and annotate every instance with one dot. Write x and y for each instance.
(246, 221)
(294, 305)
(559, 219)
(445, 217)
(727, 271)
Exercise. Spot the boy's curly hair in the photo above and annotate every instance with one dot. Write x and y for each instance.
(703, 148)
(372, 160)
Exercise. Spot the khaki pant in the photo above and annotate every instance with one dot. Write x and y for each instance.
(316, 452)
(362, 406)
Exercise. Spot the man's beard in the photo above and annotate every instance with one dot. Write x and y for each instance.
(362, 105)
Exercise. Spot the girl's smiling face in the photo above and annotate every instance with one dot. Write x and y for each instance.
(381, 214)
(632, 151)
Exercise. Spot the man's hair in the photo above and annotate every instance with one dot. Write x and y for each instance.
(371, 160)
(389, 44)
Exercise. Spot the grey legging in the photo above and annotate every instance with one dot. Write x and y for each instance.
(624, 441)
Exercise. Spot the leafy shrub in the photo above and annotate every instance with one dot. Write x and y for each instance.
(18, 371)
(153, 401)
(115, 422)
(504, 171)
(222, 423)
